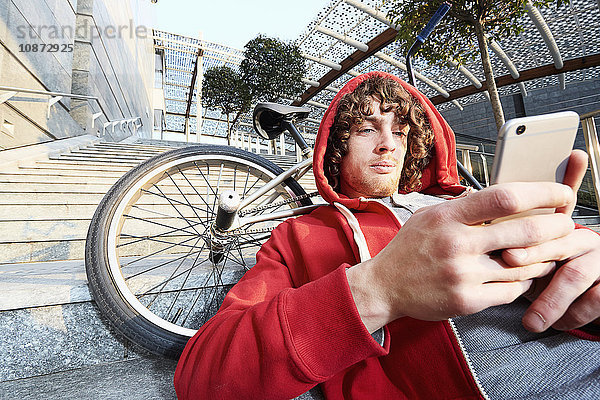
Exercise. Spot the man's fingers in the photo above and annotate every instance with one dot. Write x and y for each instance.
(507, 199)
(568, 283)
(576, 168)
(585, 310)
(495, 293)
(569, 246)
(521, 232)
(527, 272)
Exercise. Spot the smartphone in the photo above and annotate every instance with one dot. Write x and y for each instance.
(535, 149)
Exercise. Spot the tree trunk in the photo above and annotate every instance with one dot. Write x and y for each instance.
(228, 131)
(237, 116)
(489, 75)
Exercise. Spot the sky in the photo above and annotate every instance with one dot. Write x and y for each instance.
(234, 22)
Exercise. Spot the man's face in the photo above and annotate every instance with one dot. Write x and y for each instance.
(375, 157)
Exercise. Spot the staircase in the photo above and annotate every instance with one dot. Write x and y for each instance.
(52, 333)
(46, 205)
(49, 323)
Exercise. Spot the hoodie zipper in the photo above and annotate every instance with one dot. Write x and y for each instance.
(467, 359)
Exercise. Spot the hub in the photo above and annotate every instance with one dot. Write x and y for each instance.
(229, 202)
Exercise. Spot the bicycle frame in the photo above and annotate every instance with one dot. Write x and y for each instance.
(296, 172)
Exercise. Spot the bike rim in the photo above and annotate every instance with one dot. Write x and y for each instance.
(166, 209)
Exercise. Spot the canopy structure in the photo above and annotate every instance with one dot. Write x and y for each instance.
(184, 61)
(349, 37)
(557, 47)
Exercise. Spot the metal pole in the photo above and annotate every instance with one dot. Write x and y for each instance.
(593, 148)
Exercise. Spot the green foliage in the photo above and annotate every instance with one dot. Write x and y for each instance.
(455, 38)
(224, 89)
(272, 69)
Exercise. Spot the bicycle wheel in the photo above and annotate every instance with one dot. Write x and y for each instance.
(153, 267)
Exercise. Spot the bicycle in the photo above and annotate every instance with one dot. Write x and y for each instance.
(175, 233)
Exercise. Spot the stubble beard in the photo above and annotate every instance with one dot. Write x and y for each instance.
(375, 188)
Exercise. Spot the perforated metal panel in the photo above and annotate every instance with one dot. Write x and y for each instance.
(575, 27)
(180, 57)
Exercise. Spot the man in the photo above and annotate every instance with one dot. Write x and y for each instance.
(346, 299)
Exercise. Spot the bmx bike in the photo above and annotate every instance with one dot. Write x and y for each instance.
(174, 234)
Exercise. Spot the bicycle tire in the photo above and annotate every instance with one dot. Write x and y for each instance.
(164, 193)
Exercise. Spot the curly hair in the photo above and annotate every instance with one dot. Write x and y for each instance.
(357, 105)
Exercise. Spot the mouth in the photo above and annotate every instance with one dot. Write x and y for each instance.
(383, 167)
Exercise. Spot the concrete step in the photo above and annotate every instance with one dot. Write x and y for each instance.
(110, 158)
(14, 157)
(58, 165)
(118, 150)
(50, 324)
(66, 159)
(31, 177)
(69, 229)
(42, 251)
(37, 231)
(50, 198)
(56, 186)
(82, 171)
(67, 212)
(135, 146)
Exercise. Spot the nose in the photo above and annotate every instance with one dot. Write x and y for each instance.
(386, 141)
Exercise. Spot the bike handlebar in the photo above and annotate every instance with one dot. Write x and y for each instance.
(437, 17)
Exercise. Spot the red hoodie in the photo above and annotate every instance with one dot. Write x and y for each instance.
(291, 322)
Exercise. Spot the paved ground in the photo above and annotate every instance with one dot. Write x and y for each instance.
(142, 378)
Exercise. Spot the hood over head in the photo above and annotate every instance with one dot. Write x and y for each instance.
(440, 176)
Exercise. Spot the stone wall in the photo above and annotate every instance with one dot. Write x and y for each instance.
(114, 60)
(43, 47)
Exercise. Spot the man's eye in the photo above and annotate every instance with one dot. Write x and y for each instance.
(400, 133)
(366, 130)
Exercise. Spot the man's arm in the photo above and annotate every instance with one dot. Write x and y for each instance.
(440, 264)
(271, 339)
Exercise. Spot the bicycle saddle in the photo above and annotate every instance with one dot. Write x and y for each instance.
(268, 118)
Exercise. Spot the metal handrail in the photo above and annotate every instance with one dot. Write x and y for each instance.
(56, 96)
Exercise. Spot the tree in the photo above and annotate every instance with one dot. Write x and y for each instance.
(224, 89)
(464, 32)
(271, 70)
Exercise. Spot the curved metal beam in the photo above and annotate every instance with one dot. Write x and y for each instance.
(527, 75)
(323, 61)
(378, 15)
(504, 58)
(375, 44)
(468, 74)
(544, 30)
(343, 38)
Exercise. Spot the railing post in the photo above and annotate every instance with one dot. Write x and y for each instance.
(6, 96)
(282, 143)
(51, 102)
(95, 117)
(593, 148)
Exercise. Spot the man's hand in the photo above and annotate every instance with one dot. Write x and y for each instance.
(439, 264)
(571, 297)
